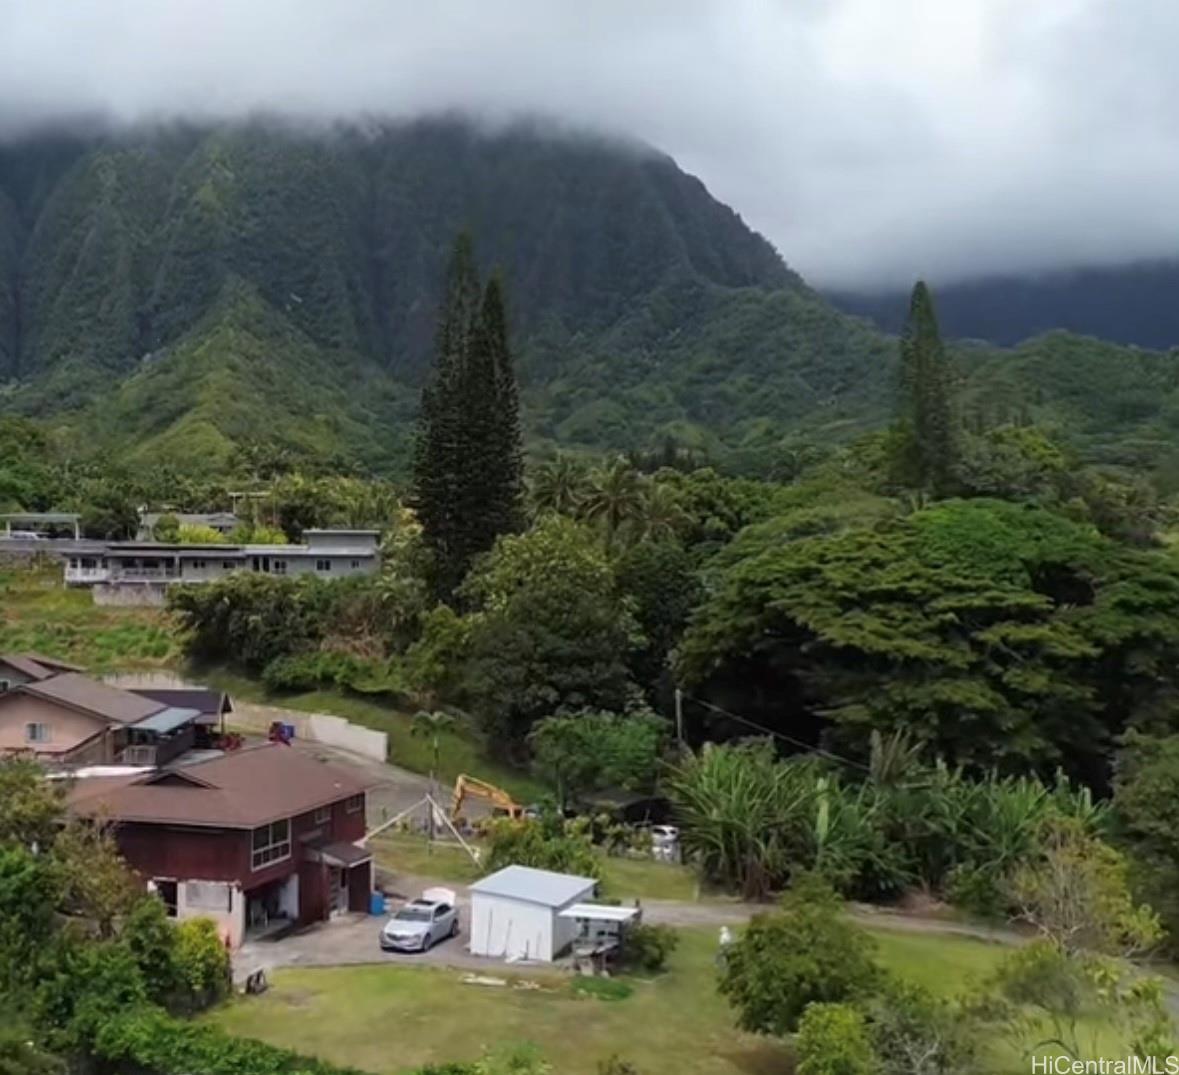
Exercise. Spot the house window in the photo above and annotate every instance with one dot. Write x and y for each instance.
(279, 567)
(166, 890)
(356, 802)
(207, 895)
(272, 843)
(355, 565)
(227, 565)
(323, 565)
(5, 685)
(37, 733)
(197, 565)
(323, 815)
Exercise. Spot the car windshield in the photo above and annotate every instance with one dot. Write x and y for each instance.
(412, 914)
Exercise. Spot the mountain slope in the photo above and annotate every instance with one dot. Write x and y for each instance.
(1130, 304)
(176, 294)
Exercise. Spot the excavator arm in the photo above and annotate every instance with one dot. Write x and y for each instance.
(469, 787)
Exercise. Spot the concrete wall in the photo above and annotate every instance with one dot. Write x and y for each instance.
(338, 732)
(229, 917)
(130, 594)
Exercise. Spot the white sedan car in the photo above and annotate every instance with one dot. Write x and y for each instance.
(420, 924)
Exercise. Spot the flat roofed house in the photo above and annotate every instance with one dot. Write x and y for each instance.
(260, 839)
(139, 572)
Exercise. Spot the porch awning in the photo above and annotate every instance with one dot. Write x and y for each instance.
(166, 720)
(341, 854)
(600, 912)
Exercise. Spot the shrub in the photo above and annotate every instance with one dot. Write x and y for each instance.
(202, 961)
(150, 1038)
(915, 1033)
(806, 953)
(548, 845)
(976, 889)
(647, 947)
(833, 1040)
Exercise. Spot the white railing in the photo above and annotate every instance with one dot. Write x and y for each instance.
(87, 574)
(144, 574)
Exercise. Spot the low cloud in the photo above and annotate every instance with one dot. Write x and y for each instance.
(870, 141)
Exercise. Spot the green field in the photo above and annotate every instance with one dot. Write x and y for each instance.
(40, 615)
(391, 1017)
(622, 878)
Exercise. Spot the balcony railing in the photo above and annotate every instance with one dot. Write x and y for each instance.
(87, 574)
(143, 574)
(139, 755)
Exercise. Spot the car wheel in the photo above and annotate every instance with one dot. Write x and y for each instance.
(454, 928)
(428, 943)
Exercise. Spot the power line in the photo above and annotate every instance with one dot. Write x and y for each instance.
(779, 735)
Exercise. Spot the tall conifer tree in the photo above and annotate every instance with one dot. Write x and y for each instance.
(467, 460)
(925, 383)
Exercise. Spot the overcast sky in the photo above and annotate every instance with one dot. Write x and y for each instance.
(870, 140)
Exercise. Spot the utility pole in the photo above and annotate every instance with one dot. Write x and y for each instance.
(679, 715)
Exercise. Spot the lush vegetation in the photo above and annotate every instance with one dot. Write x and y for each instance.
(179, 295)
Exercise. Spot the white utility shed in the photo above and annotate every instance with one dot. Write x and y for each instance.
(516, 913)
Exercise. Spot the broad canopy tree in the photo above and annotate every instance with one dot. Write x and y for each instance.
(1000, 634)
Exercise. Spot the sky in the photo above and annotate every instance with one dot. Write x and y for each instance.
(872, 141)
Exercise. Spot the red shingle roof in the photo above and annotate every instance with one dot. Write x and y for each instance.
(239, 790)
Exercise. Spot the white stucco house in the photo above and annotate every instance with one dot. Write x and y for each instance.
(516, 913)
(139, 572)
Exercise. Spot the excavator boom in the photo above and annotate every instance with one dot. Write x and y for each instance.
(469, 787)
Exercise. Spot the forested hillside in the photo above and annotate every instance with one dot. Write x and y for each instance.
(1131, 304)
(180, 294)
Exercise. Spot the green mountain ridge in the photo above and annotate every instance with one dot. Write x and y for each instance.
(172, 294)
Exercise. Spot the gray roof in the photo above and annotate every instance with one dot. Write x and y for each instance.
(79, 692)
(208, 701)
(534, 886)
(166, 720)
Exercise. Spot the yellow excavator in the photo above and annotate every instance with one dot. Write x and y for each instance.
(468, 787)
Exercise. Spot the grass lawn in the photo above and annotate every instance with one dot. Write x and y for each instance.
(459, 752)
(39, 614)
(391, 1017)
(622, 878)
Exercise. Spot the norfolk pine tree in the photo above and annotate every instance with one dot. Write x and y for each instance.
(467, 460)
(925, 386)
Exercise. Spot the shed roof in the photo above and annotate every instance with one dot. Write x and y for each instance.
(238, 790)
(167, 720)
(600, 912)
(534, 886)
(208, 701)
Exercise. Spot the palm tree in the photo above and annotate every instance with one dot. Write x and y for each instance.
(431, 725)
(661, 515)
(558, 485)
(614, 498)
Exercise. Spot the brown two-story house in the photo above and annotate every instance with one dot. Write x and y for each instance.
(258, 839)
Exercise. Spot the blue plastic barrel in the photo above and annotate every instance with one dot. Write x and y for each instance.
(376, 903)
(288, 731)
